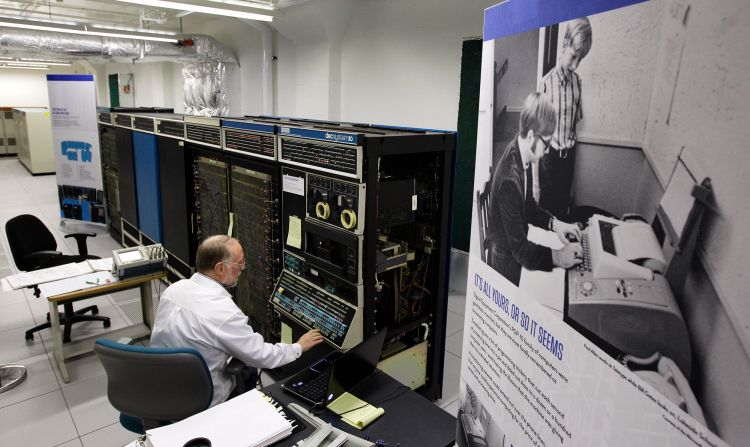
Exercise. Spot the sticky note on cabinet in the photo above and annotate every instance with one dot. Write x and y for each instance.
(294, 237)
(286, 333)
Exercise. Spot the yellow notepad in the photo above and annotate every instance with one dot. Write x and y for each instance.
(354, 411)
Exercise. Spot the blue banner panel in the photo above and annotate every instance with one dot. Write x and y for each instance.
(146, 162)
(71, 77)
(323, 135)
(518, 16)
(265, 128)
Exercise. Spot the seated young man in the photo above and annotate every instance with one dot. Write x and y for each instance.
(512, 207)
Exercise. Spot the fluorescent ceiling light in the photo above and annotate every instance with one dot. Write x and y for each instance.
(34, 19)
(134, 30)
(202, 9)
(79, 29)
(31, 59)
(246, 4)
(24, 67)
(25, 64)
(38, 64)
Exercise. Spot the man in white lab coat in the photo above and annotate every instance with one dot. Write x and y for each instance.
(199, 313)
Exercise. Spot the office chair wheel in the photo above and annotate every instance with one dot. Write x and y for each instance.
(107, 323)
(95, 311)
(29, 336)
(47, 317)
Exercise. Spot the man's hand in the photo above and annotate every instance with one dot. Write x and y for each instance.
(310, 339)
(568, 256)
(566, 232)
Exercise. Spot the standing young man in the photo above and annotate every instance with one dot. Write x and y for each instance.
(562, 86)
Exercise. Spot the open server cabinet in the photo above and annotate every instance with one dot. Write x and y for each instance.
(236, 191)
(365, 233)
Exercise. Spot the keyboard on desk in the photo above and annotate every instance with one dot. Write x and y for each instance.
(585, 266)
(315, 387)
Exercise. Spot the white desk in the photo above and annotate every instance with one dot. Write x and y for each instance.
(69, 290)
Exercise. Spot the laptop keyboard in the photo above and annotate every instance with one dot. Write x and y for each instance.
(315, 388)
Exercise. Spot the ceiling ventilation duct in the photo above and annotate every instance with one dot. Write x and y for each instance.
(205, 59)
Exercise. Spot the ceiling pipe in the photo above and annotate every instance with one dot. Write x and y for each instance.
(105, 50)
(205, 59)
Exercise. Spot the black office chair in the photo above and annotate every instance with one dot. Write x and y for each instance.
(33, 247)
(152, 387)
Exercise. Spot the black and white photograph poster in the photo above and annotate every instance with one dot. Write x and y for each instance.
(606, 296)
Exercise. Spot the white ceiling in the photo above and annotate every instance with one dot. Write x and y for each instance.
(110, 12)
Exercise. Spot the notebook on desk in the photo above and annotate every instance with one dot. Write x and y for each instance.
(251, 419)
(337, 372)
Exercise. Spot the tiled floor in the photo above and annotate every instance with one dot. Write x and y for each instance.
(45, 411)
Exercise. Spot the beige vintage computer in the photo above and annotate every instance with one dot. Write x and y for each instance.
(623, 296)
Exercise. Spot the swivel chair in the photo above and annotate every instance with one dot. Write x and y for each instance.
(33, 247)
(152, 387)
(11, 375)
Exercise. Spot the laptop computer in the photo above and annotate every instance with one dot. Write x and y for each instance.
(337, 372)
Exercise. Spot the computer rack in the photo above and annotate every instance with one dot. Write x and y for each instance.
(348, 221)
(365, 218)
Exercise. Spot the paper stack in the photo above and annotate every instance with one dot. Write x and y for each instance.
(247, 420)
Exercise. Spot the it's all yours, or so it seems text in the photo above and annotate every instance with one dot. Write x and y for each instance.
(495, 364)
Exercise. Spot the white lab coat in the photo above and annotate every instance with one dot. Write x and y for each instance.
(199, 313)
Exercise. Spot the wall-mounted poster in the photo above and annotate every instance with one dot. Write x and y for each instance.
(606, 300)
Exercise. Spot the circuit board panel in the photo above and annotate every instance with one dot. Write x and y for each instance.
(211, 193)
(254, 207)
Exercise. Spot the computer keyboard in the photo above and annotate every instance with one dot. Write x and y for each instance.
(315, 388)
(585, 266)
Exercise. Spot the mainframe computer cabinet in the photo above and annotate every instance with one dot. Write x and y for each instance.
(35, 149)
(8, 132)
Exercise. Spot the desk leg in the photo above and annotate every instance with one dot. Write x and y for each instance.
(147, 306)
(57, 340)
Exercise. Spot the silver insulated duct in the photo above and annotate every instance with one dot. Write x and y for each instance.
(204, 70)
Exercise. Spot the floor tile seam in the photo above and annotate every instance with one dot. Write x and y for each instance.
(63, 385)
(2, 407)
(451, 352)
(121, 312)
(26, 358)
(448, 404)
(70, 413)
(103, 428)
(21, 325)
(447, 334)
(69, 440)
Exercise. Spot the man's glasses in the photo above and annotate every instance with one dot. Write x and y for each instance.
(241, 264)
(547, 142)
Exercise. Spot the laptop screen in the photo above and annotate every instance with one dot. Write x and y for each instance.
(355, 365)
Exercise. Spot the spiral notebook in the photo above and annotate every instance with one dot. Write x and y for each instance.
(249, 420)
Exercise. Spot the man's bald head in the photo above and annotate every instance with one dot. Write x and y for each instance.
(212, 251)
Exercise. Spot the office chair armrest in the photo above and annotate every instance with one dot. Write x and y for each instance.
(236, 369)
(83, 249)
(41, 259)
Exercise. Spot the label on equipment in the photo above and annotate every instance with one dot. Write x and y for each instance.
(294, 185)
